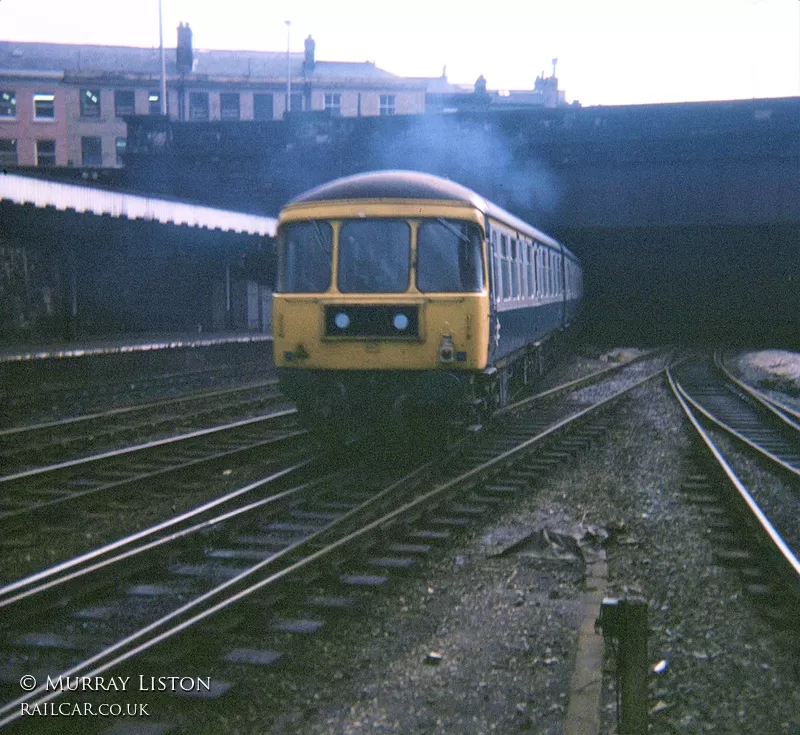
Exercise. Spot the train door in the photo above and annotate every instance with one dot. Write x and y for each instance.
(495, 289)
(562, 284)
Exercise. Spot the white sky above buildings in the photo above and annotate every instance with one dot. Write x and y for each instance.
(609, 52)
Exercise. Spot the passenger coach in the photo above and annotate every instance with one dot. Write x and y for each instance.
(406, 294)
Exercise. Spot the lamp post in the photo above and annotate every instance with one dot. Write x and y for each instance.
(288, 65)
(162, 102)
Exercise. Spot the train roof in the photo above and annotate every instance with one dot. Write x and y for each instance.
(391, 185)
(412, 185)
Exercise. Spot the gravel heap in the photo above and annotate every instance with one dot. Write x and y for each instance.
(777, 372)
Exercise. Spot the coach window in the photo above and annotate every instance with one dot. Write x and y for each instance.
(542, 273)
(449, 256)
(531, 270)
(304, 257)
(506, 267)
(548, 277)
(540, 263)
(374, 256)
(554, 261)
(523, 278)
(512, 266)
(498, 269)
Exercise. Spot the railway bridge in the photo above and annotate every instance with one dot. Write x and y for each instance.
(686, 216)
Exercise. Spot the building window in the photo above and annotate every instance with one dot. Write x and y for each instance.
(45, 153)
(198, 106)
(120, 144)
(506, 264)
(229, 106)
(8, 152)
(154, 103)
(333, 102)
(297, 102)
(90, 103)
(91, 151)
(44, 106)
(263, 107)
(387, 104)
(124, 102)
(8, 103)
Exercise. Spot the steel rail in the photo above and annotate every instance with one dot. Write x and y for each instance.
(79, 565)
(16, 516)
(205, 597)
(739, 436)
(88, 556)
(162, 381)
(130, 646)
(122, 410)
(586, 379)
(83, 558)
(790, 563)
(782, 411)
(72, 463)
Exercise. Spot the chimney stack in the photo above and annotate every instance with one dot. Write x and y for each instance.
(308, 61)
(183, 53)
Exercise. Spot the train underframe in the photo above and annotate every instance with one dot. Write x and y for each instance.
(345, 403)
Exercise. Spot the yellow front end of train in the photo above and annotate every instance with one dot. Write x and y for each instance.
(381, 307)
(452, 332)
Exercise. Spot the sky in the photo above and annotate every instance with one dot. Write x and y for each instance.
(613, 52)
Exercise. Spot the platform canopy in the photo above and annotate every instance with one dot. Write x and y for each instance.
(94, 200)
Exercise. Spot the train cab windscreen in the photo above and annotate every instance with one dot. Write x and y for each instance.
(374, 256)
(305, 255)
(449, 257)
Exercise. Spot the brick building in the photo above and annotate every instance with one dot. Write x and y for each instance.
(66, 104)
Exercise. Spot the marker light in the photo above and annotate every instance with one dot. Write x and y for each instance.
(446, 350)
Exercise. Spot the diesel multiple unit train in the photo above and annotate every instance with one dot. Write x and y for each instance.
(405, 295)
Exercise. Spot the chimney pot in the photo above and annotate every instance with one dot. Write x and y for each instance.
(309, 61)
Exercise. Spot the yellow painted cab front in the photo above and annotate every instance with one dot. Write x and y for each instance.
(381, 286)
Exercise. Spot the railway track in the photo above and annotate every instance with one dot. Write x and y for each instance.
(761, 499)
(779, 405)
(49, 489)
(25, 447)
(88, 390)
(348, 536)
